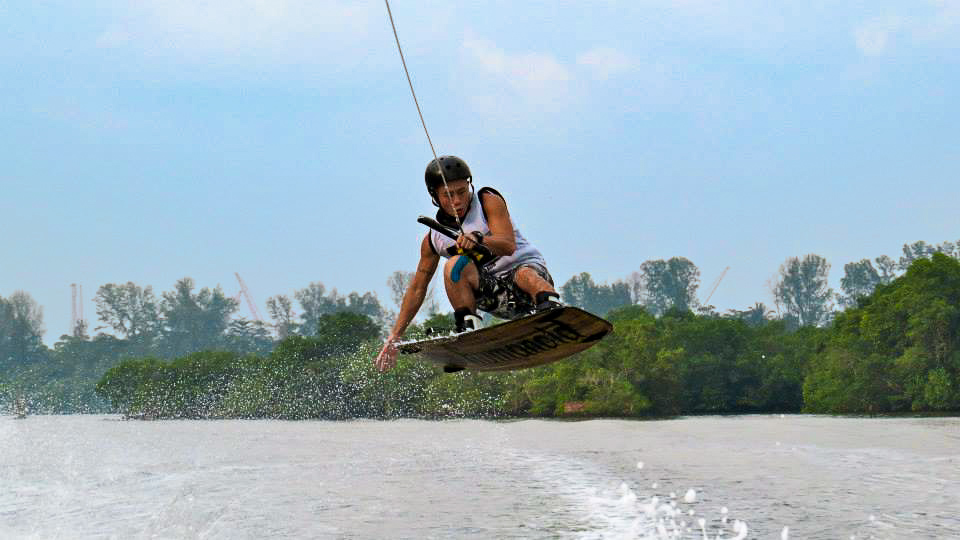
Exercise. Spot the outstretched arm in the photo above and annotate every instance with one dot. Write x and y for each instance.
(412, 300)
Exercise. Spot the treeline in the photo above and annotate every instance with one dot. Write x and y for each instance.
(177, 323)
(802, 293)
(897, 351)
(174, 324)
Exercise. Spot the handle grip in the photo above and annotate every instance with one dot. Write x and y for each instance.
(480, 254)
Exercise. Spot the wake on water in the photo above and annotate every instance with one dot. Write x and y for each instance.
(605, 512)
(621, 514)
(608, 513)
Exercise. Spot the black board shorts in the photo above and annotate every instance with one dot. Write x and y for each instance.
(501, 297)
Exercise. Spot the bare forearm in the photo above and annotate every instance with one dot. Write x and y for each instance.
(412, 301)
(500, 245)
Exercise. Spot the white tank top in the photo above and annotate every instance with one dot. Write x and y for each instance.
(475, 220)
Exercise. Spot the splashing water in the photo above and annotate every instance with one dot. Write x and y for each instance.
(623, 513)
(655, 519)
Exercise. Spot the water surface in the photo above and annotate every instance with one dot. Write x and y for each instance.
(791, 476)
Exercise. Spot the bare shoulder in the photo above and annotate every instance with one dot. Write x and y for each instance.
(492, 201)
(429, 258)
(427, 251)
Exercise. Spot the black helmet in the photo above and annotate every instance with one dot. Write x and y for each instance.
(454, 169)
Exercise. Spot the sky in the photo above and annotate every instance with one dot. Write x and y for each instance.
(154, 140)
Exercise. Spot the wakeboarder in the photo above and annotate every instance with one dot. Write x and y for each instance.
(514, 282)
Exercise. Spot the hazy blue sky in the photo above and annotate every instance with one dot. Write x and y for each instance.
(151, 140)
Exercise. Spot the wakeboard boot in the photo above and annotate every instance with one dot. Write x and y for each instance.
(466, 320)
(547, 300)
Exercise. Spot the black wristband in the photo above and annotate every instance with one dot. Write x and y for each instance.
(477, 236)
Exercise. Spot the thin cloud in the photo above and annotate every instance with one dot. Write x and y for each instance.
(534, 76)
(604, 62)
(517, 88)
(239, 30)
(944, 25)
(941, 27)
(873, 37)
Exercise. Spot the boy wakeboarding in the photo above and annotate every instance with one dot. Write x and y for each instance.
(512, 283)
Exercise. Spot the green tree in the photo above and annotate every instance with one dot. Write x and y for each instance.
(859, 280)
(280, 309)
(758, 315)
(121, 384)
(435, 325)
(21, 330)
(194, 386)
(626, 374)
(635, 284)
(194, 321)
(803, 290)
(899, 350)
(886, 268)
(315, 303)
(131, 311)
(581, 291)
(670, 284)
(940, 392)
(398, 283)
(771, 366)
(950, 249)
(915, 251)
(345, 332)
(245, 336)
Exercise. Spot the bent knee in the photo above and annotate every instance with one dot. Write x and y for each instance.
(527, 276)
(525, 273)
(460, 267)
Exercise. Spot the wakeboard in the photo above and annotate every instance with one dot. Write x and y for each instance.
(533, 340)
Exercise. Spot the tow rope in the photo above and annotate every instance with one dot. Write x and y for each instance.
(417, 103)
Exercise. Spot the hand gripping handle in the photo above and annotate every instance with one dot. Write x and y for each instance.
(480, 254)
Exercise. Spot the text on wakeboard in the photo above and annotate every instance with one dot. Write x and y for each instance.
(545, 337)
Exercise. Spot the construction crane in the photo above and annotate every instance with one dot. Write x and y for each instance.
(245, 292)
(716, 284)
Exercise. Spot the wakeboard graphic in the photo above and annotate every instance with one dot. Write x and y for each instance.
(529, 341)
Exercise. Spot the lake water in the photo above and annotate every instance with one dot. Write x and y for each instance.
(705, 477)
